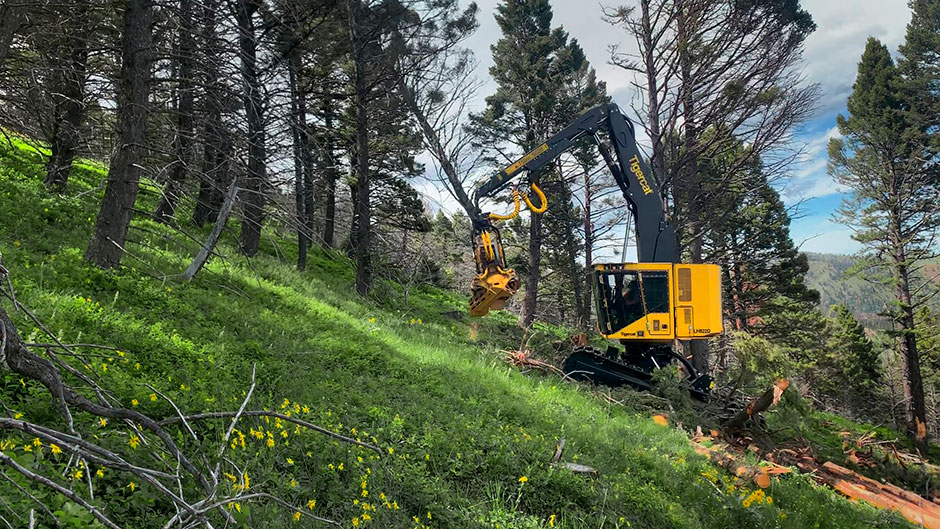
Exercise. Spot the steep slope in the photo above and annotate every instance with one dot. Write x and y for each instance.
(467, 440)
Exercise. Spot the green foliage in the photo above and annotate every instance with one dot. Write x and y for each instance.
(459, 429)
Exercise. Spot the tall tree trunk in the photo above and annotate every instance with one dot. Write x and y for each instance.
(69, 96)
(689, 165)
(166, 209)
(588, 253)
(11, 18)
(327, 160)
(211, 106)
(301, 157)
(363, 208)
(530, 301)
(915, 410)
(107, 243)
(253, 190)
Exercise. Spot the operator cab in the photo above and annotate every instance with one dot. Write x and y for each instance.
(657, 302)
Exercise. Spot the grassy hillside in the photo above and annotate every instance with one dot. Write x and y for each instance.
(467, 439)
(827, 274)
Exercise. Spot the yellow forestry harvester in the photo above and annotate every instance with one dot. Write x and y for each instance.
(649, 306)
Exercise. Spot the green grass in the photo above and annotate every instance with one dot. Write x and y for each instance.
(460, 429)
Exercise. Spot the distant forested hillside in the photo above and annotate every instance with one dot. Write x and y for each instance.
(828, 275)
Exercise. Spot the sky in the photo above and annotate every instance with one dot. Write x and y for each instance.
(831, 57)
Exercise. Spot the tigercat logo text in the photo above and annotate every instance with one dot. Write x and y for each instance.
(640, 177)
(531, 155)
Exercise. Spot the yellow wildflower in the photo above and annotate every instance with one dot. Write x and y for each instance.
(102, 422)
(238, 506)
(78, 474)
(391, 450)
(55, 448)
(137, 365)
(121, 354)
(366, 517)
(523, 479)
(306, 409)
(551, 521)
(340, 466)
(132, 486)
(100, 473)
(134, 441)
(355, 522)
(27, 448)
(297, 516)
(17, 415)
(311, 504)
(293, 482)
(247, 481)
(270, 442)
(37, 442)
(371, 320)
(290, 461)
(134, 402)
(153, 397)
(285, 404)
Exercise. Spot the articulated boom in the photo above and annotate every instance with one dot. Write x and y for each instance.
(646, 306)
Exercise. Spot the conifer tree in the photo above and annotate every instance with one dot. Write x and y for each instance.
(854, 361)
(532, 63)
(892, 202)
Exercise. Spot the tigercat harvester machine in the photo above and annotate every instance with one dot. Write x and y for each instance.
(648, 306)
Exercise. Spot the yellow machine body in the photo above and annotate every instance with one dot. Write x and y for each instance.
(658, 302)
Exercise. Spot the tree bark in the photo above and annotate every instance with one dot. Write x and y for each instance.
(202, 256)
(530, 301)
(689, 166)
(588, 254)
(11, 18)
(362, 205)
(327, 161)
(166, 208)
(69, 96)
(207, 205)
(301, 158)
(915, 410)
(107, 243)
(253, 199)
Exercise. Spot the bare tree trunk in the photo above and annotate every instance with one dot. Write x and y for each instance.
(166, 209)
(689, 166)
(11, 18)
(530, 302)
(253, 198)
(301, 157)
(69, 96)
(363, 208)
(588, 253)
(107, 243)
(328, 166)
(915, 410)
(202, 256)
(211, 106)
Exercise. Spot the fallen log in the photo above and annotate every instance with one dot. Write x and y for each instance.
(765, 401)
(759, 475)
(857, 487)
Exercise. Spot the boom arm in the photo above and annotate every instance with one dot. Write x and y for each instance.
(656, 237)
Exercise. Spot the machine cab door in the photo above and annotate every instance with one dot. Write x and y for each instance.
(634, 303)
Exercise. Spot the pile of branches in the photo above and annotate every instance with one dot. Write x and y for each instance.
(188, 476)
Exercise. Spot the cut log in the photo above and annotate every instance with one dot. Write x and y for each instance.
(760, 476)
(765, 401)
(857, 487)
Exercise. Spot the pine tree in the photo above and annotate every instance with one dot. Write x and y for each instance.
(532, 63)
(854, 362)
(892, 201)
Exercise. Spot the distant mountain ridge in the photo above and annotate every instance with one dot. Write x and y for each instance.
(827, 274)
